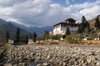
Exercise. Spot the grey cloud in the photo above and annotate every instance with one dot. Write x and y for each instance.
(43, 13)
(9, 3)
(32, 15)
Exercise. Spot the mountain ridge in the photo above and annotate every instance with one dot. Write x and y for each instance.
(38, 30)
(7, 26)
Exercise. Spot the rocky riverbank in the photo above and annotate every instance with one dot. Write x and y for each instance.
(50, 55)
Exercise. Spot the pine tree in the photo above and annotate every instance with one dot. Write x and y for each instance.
(79, 30)
(26, 38)
(7, 35)
(83, 19)
(21, 37)
(34, 36)
(87, 27)
(67, 31)
(30, 36)
(83, 24)
(18, 34)
(45, 35)
(97, 23)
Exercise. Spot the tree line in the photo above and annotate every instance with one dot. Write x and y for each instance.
(84, 27)
(19, 38)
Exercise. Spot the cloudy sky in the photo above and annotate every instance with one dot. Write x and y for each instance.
(47, 12)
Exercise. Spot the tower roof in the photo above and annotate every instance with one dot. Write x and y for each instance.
(70, 19)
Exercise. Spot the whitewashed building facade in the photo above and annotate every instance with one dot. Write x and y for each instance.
(61, 27)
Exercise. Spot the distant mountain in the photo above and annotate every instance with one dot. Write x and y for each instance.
(2, 21)
(38, 30)
(7, 26)
(18, 25)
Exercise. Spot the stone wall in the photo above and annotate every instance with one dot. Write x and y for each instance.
(10, 41)
(30, 41)
(62, 30)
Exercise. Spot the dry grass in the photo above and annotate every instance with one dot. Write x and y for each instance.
(92, 23)
(58, 42)
(92, 42)
(2, 47)
(53, 42)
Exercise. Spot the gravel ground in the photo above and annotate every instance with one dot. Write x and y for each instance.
(50, 55)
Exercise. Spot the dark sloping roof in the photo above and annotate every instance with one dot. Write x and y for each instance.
(72, 24)
(70, 19)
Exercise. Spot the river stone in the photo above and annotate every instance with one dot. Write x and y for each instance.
(72, 55)
(50, 60)
(88, 60)
(45, 64)
(60, 63)
(9, 64)
(98, 64)
(51, 65)
(71, 62)
(64, 64)
(39, 65)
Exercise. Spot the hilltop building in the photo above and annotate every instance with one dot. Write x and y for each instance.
(61, 27)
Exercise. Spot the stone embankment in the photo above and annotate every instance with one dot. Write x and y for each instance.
(59, 55)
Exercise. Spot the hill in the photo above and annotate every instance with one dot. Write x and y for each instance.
(92, 22)
(7, 26)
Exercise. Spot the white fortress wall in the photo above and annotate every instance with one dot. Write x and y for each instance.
(58, 28)
(72, 28)
(62, 29)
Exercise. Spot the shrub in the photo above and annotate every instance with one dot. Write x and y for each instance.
(93, 35)
(6, 40)
(64, 36)
(74, 38)
(56, 37)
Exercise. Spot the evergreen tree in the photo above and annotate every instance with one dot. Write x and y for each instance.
(21, 37)
(79, 30)
(98, 16)
(18, 34)
(83, 25)
(97, 23)
(83, 19)
(67, 31)
(26, 38)
(87, 27)
(34, 36)
(30, 36)
(45, 35)
(7, 35)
